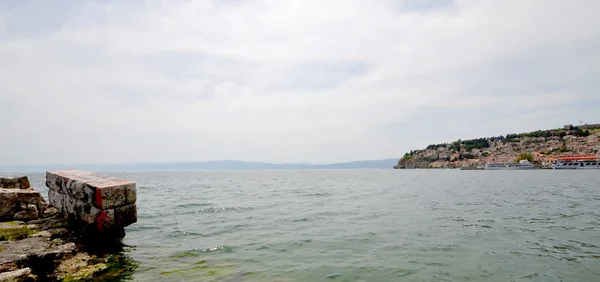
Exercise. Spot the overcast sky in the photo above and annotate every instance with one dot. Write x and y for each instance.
(286, 81)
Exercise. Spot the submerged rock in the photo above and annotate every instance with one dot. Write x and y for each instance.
(80, 267)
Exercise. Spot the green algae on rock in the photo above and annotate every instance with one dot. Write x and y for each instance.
(14, 231)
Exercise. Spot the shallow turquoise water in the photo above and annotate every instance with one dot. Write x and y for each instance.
(365, 225)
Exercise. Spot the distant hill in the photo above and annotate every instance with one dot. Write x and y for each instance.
(541, 147)
(209, 165)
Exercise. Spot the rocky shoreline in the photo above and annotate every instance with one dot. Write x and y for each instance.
(50, 245)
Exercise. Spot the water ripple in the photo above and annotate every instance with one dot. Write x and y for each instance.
(371, 225)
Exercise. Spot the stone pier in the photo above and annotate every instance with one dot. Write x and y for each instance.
(104, 204)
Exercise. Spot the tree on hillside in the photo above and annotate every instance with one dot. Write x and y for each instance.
(478, 143)
(579, 132)
(524, 156)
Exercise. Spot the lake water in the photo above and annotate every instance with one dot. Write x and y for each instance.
(364, 225)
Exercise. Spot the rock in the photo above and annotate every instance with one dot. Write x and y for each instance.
(28, 212)
(26, 215)
(412, 162)
(9, 266)
(15, 275)
(14, 181)
(45, 234)
(58, 232)
(59, 252)
(27, 202)
(79, 267)
(50, 211)
(34, 249)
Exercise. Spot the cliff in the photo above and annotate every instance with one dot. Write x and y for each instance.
(412, 162)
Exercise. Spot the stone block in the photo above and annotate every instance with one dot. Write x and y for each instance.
(105, 220)
(56, 200)
(14, 181)
(21, 204)
(74, 208)
(126, 215)
(104, 203)
(106, 191)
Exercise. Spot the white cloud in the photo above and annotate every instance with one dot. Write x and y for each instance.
(287, 81)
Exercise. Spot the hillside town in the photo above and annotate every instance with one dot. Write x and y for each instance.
(544, 147)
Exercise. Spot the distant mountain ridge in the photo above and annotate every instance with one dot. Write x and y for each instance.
(208, 165)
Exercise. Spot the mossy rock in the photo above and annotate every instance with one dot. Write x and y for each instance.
(215, 270)
(86, 273)
(13, 233)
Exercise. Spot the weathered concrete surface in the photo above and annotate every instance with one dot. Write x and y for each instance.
(104, 202)
(23, 204)
(14, 181)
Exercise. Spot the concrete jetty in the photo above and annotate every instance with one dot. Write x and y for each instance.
(104, 204)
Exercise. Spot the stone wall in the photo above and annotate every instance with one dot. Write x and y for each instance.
(104, 203)
(18, 200)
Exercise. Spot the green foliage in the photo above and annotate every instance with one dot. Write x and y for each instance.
(539, 133)
(467, 156)
(511, 138)
(15, 233)
(524, 156)
(581, 133)
(478, 143)
(435, 146)
(455, 146)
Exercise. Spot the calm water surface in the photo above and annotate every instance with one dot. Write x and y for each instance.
(365, 225)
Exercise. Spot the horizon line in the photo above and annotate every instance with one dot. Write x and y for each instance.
(192, 162)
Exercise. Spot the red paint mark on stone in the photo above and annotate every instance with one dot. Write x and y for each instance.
(98, 199)
(100, 220)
